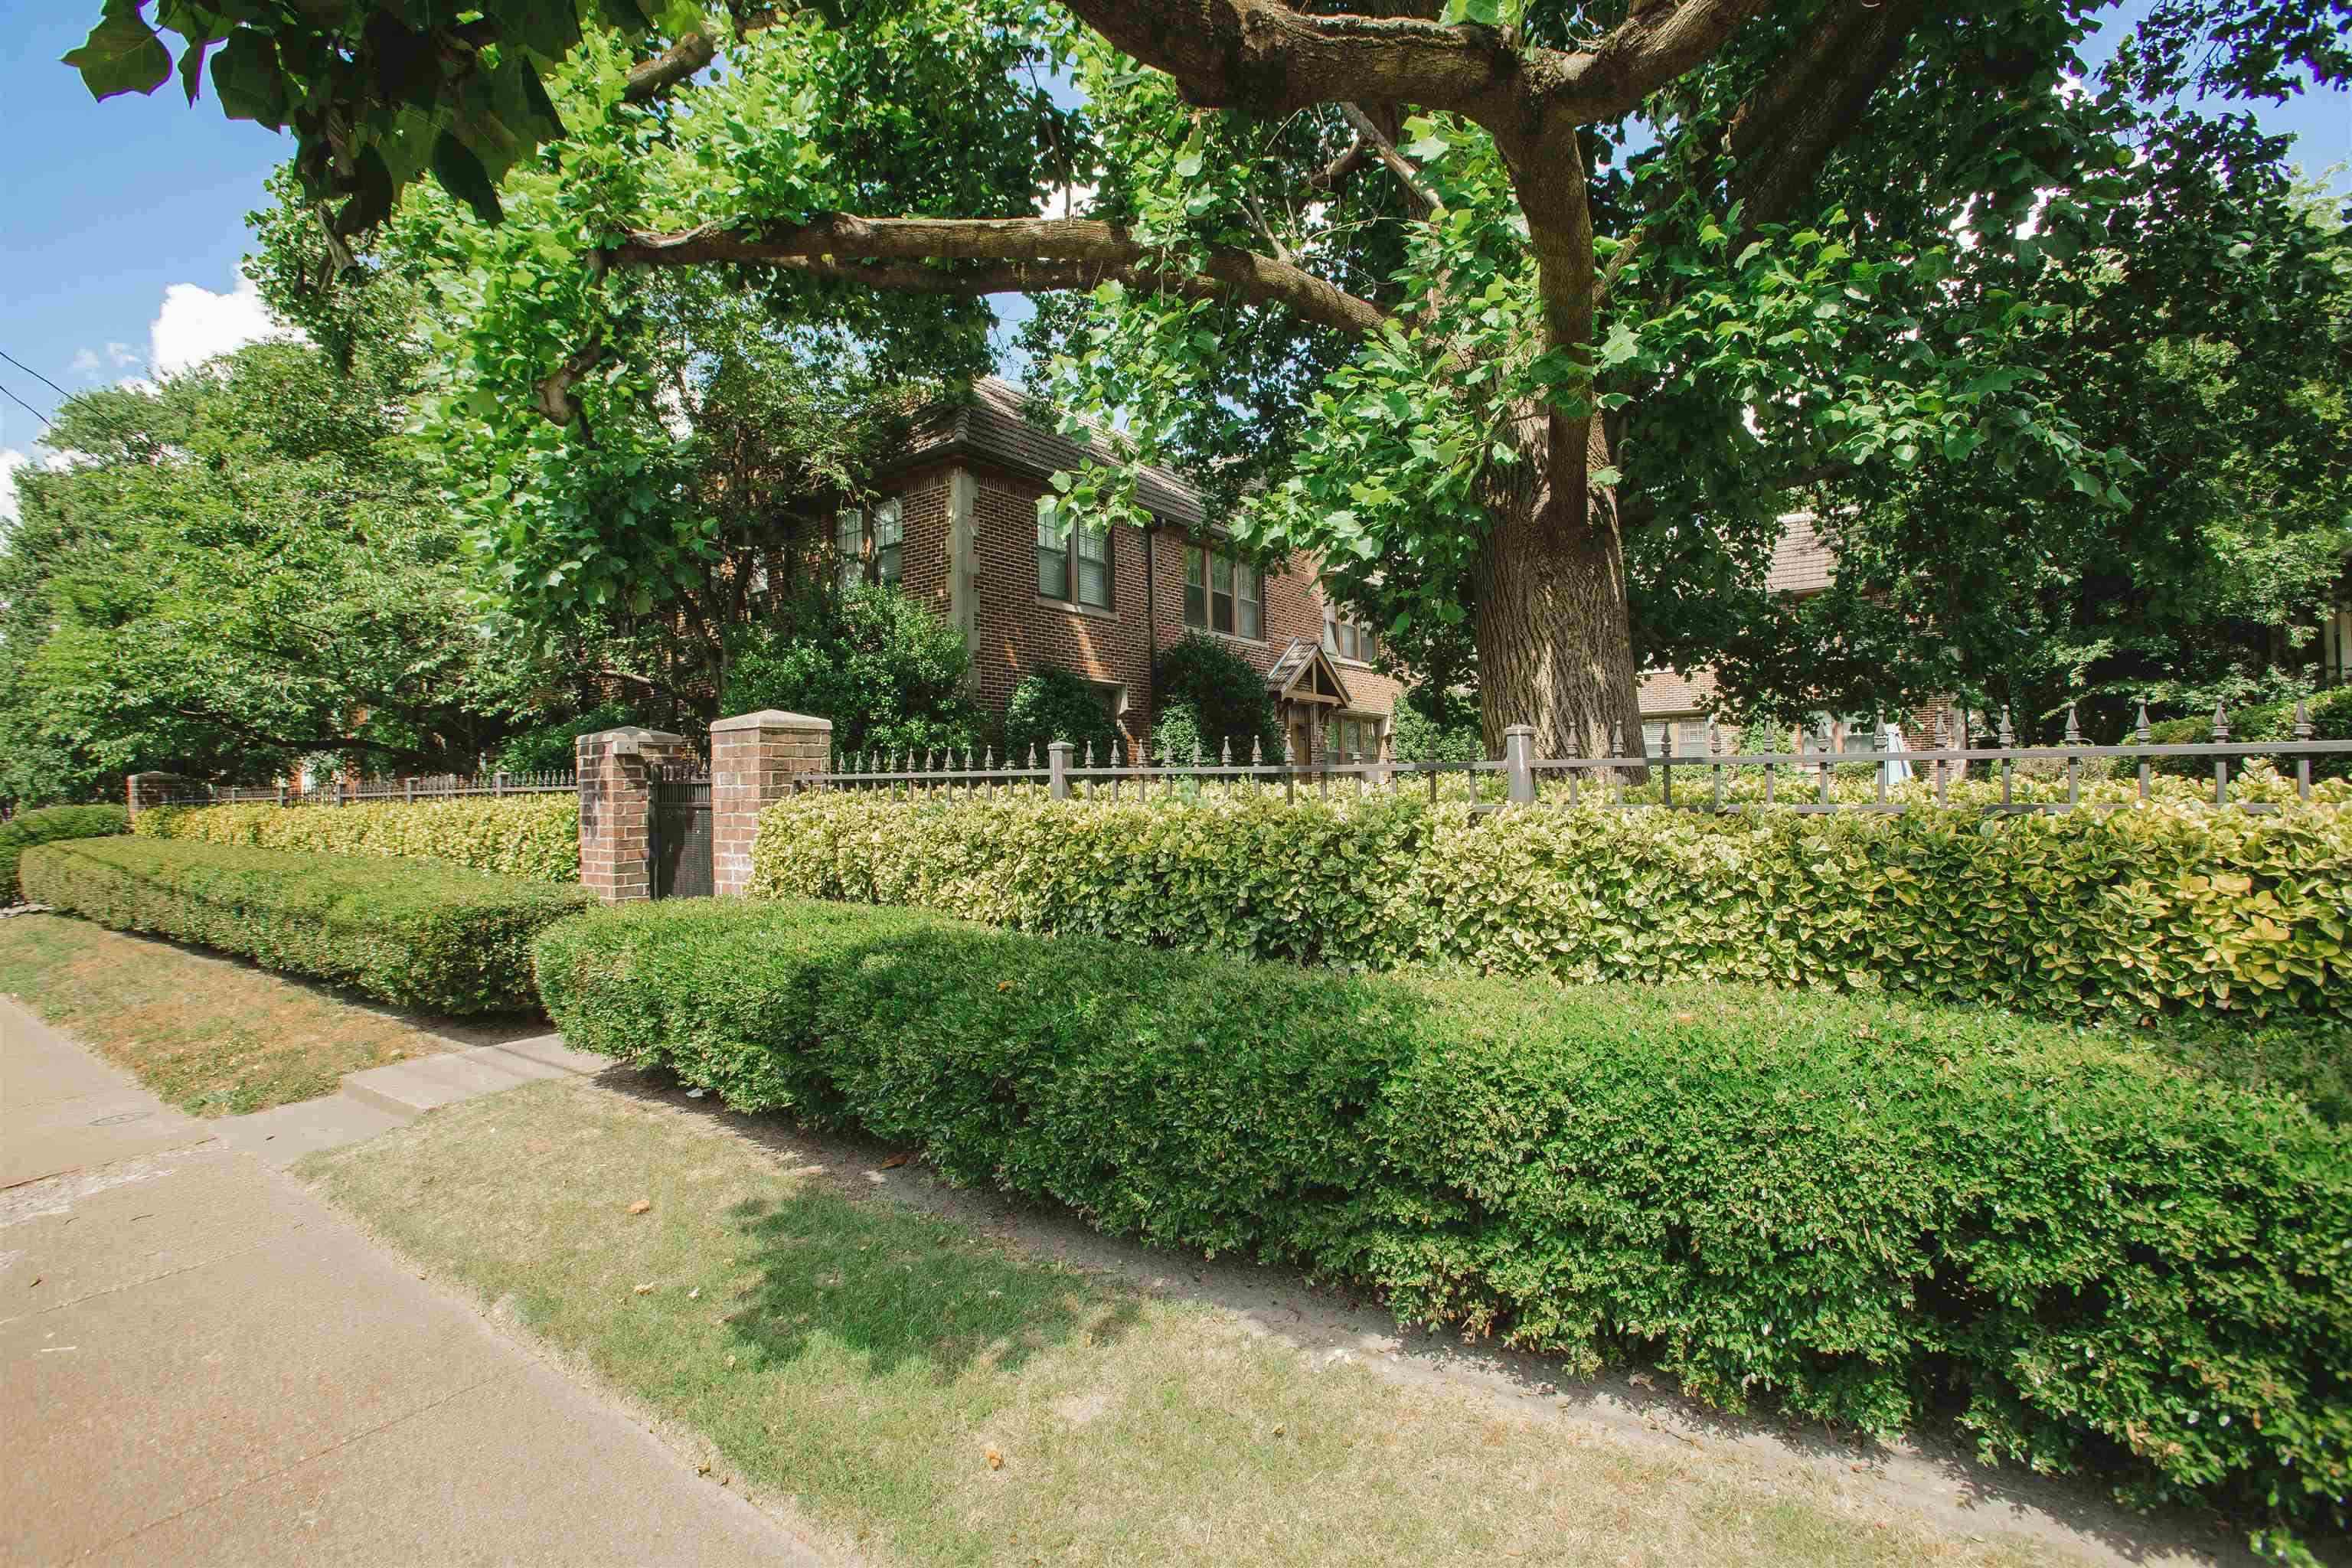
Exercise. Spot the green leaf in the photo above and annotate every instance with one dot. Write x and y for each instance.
(1607, 477)
(121, 54)
(248, 80)
(462, 175)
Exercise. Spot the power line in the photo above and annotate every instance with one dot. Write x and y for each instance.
(36, 374)
(26, 406)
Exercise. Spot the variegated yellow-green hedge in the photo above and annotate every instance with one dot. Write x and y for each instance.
(2125, 913)
(535, 835)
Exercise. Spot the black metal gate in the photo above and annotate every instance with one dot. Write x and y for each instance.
(678, 842)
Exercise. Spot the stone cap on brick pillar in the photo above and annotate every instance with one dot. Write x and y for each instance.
(772, 719)
(628, 741)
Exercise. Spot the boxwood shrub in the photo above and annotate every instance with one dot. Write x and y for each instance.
(2126, 913)
(436, 937)
(48, 825)
(1865, 1211)
(535, 835)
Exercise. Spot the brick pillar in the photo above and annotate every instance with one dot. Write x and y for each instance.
(616, 801)
(756, 759)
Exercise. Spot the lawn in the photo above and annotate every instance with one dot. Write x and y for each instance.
(929, 1396)
(215, 1036)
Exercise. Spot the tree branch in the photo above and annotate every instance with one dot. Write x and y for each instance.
(1424, 200)
(672, 66)
(1028, 256)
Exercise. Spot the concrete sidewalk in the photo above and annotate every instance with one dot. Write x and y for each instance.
(200, 1363)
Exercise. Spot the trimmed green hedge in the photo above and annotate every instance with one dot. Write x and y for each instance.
(2124, 913)
(534, 835)
(47, 826)
(1863, 1210)
(436, 937)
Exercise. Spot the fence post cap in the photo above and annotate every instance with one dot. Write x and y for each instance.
(627, 741)
(1061, 748)
(772, 719)
(1528, 729)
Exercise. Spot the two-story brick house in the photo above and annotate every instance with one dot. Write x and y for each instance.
(954, 524)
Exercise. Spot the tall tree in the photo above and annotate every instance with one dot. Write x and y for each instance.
(242, 568)
(1459, 297)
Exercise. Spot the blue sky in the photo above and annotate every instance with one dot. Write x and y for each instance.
(125, 221)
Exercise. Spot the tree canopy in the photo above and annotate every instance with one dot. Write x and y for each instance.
(1530, 319)
(242, 568)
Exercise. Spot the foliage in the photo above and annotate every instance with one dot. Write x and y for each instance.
(1847, 1207)
(555, 748)
(49, 824)
(2329, 713)
(1208, 695)
(239, 569)
(878, 663)
(2123, 914)
(1675, 302)
(2215, 355)
(535, 836)
(1052, 704)
(412, 933)
(1437, 726)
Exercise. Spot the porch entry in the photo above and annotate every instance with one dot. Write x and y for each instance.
(1306, 690)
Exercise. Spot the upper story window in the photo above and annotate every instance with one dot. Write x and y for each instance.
(870, 545)
(1223, 595)
(1344, 636)
(1074, 564)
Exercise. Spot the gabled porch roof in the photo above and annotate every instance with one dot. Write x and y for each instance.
(1305, 673)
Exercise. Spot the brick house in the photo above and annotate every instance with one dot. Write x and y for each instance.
(954, 524)
(1675, 706)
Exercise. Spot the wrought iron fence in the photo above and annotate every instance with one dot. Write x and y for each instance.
(407, 787)
(1989, 772)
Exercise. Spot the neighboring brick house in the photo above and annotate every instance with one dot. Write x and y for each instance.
(954, 522)
(1675, 706)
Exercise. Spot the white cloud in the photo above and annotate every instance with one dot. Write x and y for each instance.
(86, 363)
(195, 324)
(122, 355)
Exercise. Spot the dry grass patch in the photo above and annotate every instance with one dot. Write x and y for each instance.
(213, 1035)
(932, 1397)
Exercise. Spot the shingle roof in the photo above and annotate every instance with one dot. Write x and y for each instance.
(1802, 559)
(995, 426)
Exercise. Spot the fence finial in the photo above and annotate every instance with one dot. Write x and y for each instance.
(1289, 752)
(1617, 739)
(2074, 731)
(2007, 735)
(1225, 752)
(1033, 755)
(1258, 752)
(2302, 720)
(2220, 724)
(1090, 751)
(1196, 751)
(1117, 753)
(1714, 739)
(2140, 731)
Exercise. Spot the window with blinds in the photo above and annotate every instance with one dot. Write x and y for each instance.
(1223, 595)
(1074, 564)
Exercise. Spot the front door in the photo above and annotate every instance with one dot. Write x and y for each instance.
(1302, 738)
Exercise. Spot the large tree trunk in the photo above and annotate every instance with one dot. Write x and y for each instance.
(1555, 640)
